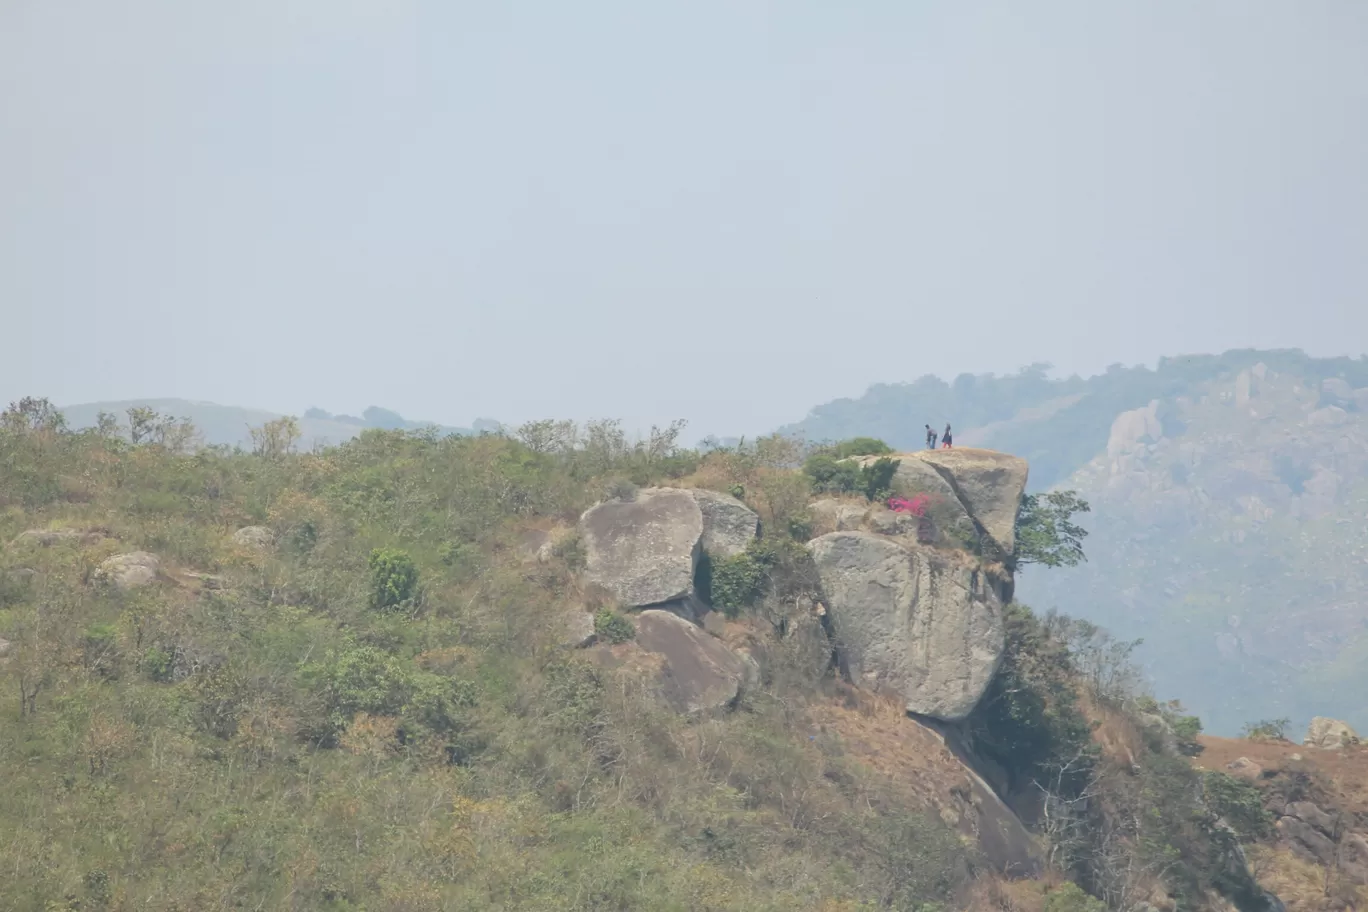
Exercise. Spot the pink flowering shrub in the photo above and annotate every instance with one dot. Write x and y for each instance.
(916, 506)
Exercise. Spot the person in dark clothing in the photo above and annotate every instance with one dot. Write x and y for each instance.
(930, 438)
(945, 438)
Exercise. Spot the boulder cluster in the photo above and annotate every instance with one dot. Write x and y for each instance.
(909, 611)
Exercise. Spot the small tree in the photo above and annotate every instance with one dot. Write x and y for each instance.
(30, 415)
(394, 578)
(275, 439)
(1045, 531)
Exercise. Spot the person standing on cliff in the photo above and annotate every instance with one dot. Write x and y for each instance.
(945, 438)
(930, 438)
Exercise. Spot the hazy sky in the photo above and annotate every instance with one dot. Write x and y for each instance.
(727, 211)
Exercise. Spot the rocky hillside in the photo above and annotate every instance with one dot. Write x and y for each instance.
(1230, 530)
(1228, 514)
(423, 673)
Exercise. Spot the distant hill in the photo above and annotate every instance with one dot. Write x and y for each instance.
(1057, 424)
(228, 424)
(1229, 495)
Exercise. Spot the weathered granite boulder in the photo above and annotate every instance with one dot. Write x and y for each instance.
(970, 491)
(1329, 734)
(577, 628)
(1244, 768)
(5, 647)
(829, 515)
(729, 526)
(922, 623)
(49, 537)
(644, 551)
(697, 671)
(258, 537)
(129, 571)
(988, 484)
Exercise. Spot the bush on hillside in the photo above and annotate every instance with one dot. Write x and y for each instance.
(393, 578)
(831, 474)
(612, 627)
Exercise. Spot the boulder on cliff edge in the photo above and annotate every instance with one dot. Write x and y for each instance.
(644, 551)
(971, 490)
(922, 623)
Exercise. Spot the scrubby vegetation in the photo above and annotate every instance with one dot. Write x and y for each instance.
(377, 712)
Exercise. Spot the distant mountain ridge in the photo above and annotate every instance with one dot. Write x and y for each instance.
(229, 425)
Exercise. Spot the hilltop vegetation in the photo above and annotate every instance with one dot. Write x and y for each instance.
(225, 425)
(337, 680)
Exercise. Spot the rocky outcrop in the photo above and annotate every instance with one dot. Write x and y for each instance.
(48, 537)
(129, 571)
(693, 671)
(1329, 734)
(644, 551)
(830, 515)
(915, 621)
(258, 537)
(5, 647)
(969, 489)
(729, 526)
(577, 628)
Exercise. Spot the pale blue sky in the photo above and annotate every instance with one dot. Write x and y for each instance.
(727, 211)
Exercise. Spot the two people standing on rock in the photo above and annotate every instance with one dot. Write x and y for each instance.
(931, 438)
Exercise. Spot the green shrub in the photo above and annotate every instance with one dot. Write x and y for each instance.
(876, 479)
(393, 577)
(736, 583)
(1239, 803)
(1069, 897)
(1185, 732)
(1267, 730)
(612, 627)
(860, 446)
(830, 475)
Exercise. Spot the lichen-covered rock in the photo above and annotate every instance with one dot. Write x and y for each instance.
(578, 629)
(258, 537)
(129, 571)
(988, 485)
(644, 551)
(1329, 734)
(911, 620)
(1244, 768)
(729, 526)
(970, 491)
(49, 537)
(5, 647)
(829, 515)
(699, 672)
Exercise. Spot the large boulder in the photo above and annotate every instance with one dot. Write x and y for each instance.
(5, 647)
(49, 537)
(698, 673)
(129, 571)
(969, 491)
(1327, 733)
(922, 623)
(729, 526)
(644, 551)
(988, 485)
(258, 537)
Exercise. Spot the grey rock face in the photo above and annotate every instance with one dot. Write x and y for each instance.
(988, 484)
(254, 537)
(729, 526)
(49, 537)
(699, 672)
(910, 620)
(836, 516)
(644, 551)
(129, 571)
